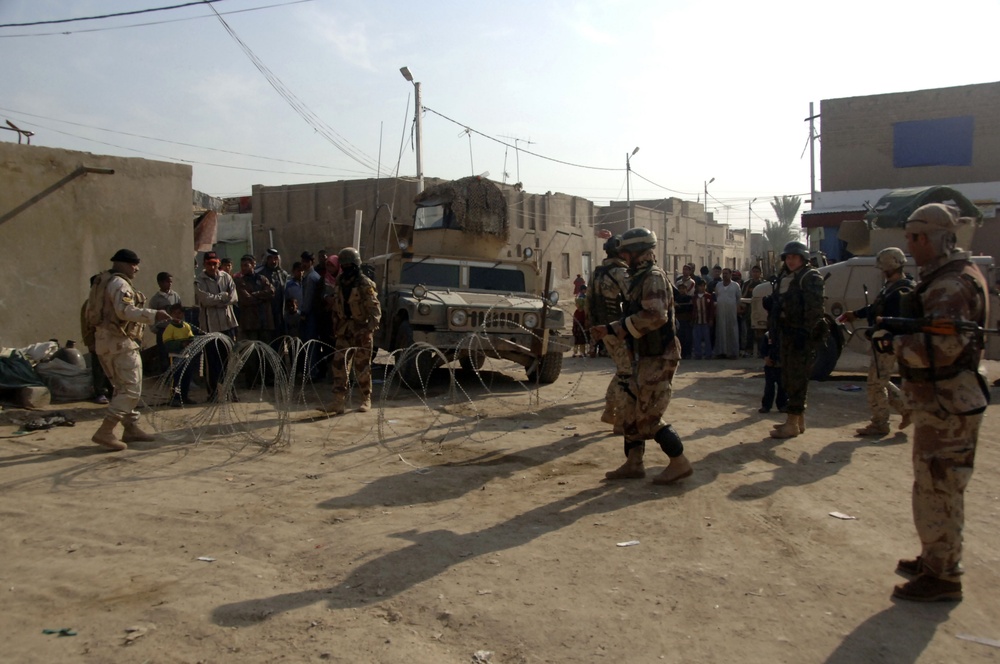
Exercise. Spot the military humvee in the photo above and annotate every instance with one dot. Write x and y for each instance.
(847, 281)
(451, 286)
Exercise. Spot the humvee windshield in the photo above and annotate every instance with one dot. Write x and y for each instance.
(495, 279)
(442, 274)
(432, 274)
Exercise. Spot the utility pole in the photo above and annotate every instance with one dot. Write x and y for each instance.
(628, 195)
(418, 110)
(812, 155)
(707, 253)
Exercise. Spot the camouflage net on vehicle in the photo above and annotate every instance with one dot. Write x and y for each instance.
(479, 205)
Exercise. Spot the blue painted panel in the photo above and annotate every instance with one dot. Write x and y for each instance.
(942, 142)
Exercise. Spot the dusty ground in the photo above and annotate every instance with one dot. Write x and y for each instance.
(482, 524)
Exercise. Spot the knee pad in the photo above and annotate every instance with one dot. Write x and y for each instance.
(669, 441)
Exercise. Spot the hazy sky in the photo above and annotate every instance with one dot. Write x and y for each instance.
(705, 89)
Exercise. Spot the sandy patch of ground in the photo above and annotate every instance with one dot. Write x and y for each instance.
(426, 533)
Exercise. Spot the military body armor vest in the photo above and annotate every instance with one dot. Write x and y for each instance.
(653, 343)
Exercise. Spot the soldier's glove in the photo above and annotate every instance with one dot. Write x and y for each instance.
(882, 341)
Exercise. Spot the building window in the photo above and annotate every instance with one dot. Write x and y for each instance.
(564, 266)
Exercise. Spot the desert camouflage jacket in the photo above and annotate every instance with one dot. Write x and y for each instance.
(652, 299)
(354, 304)
(123, 315)
(607, 291)
(944, 373)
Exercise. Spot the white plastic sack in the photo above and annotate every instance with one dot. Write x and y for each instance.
(43, 351)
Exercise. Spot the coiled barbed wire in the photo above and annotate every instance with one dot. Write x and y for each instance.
(280, 374)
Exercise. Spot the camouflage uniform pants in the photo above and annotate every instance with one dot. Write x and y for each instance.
(796, 365)
(614, 397)
(943, 454)
(882, 393)
(123, 367)
(352, 349)
(650, 385)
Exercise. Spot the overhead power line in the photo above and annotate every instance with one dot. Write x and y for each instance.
(102, 16)
(165, 140)
(148, 23)
(299, 106)
(533, 154)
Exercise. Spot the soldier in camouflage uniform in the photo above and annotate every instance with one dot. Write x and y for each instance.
(117, 313)
(356, 314)
(802, 329)
(649, 330)
(606, 295)
(945, 386)
(882, 393)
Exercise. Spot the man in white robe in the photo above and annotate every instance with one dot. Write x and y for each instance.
(727, 331)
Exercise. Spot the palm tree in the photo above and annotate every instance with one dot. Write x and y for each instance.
(781, 232)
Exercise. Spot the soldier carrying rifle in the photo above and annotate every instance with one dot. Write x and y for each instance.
(939, 345)
(882, 393)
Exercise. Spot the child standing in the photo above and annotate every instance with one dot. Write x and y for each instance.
(177, 336)
(702, 317)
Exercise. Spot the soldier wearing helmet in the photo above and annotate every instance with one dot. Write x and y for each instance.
(801, 330)
(945, 386)
(606, 297)
(647, 327)
(883, 394)
(355, 314)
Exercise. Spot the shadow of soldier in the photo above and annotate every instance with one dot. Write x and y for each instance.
(424, 485)
(899, 634)
(432, 553)
(808, 469)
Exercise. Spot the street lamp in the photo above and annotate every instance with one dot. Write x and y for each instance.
(418, 108)
(628, 194)
(750, 227)
(707, 255)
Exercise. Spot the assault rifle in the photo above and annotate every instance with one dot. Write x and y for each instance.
(947, 327)
(939, 326)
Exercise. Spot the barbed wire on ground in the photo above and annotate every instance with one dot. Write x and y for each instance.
(280, 374)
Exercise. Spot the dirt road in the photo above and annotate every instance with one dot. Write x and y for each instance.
(428, 532)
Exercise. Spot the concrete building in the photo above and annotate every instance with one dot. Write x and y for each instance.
(874, 144)
(686, 233)
(63, 214)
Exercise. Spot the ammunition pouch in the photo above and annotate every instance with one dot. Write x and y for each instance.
(657, 342)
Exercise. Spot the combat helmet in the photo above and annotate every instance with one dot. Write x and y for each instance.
(796, 248)
(611, 245)
(349, 256)
(637, 240)
(890, 259)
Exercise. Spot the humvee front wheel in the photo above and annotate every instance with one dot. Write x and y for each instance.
(473, 361)
(547, 369)
(828, 354)
(414, 365)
